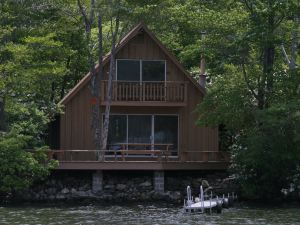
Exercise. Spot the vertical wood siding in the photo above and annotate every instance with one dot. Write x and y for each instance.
(75, 131)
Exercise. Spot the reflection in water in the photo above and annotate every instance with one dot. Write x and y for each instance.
(143, 214)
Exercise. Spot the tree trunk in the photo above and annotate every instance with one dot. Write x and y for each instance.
(295, 42)
(268, 64)
(108, 100)
(95, 77)
(2, 114)
(268, 60)
(97, 87)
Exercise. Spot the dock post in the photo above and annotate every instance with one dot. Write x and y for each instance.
(97, 182)
(159, 181)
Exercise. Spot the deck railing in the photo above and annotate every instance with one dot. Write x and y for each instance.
(168, 91)
(137, 155)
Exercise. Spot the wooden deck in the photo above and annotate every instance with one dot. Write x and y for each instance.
(131, 160)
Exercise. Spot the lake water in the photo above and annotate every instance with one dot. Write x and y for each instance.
(143, 215)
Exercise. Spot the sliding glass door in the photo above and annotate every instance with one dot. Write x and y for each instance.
(166, 131)
(144, 132)
(139, 131)
(117, 132)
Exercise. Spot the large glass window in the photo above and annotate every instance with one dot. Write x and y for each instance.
(139, 130)
(117, 131)
(128, 70)
(153, 70)
(128, 131)
(141, 70)
(166, 130)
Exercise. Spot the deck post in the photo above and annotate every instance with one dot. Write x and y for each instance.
(159, 181)
(97, 182)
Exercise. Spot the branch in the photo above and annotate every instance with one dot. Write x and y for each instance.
(278, 22)
(122, 31)
(92, 12)
(286, 57)
(247, 82)
(83, 12)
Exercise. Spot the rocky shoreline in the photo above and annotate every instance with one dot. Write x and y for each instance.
(128, 186)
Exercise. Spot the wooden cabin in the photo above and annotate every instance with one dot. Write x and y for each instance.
(152, 120)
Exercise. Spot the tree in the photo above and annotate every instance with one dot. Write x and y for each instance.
(113, 10)
(256, 98)
(35, 64)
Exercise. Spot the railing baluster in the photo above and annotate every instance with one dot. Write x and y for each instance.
(129, 91)
(166, 92)
(126, 91)
(133, 91)
(114, 91)
(150, 85)
(155, 91)
(143, 91)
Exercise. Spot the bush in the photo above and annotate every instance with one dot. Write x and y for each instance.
(271, 152)
(20, 168)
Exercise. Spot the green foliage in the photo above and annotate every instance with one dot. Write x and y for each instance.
(227, 102)
(19, 168)
(253, 94)
(270, 152)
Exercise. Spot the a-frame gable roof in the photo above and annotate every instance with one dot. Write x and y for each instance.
(129, 36)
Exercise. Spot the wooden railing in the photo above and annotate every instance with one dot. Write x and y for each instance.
(168, 91)
(145, 155)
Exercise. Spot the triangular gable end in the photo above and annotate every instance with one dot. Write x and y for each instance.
(129, 36)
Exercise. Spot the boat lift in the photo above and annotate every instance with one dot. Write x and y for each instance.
(205, 203)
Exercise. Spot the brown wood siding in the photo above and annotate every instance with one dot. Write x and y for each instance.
(75, 123)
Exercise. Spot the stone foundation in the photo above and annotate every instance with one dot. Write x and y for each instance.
(159, 181)
(127, 186)
(97, 182)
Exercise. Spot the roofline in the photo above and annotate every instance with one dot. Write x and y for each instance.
(123, 42)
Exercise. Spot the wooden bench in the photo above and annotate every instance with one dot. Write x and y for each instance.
(157, 153)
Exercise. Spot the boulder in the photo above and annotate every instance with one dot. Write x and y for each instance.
(51, 197)
(50, 190)
(109, 187)
(121, 187)
(65, 191)
(85, 187)
(60, 196)
(145, 184)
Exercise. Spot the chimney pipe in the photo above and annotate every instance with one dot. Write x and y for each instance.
(202, 76)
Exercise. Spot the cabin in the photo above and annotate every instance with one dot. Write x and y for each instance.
(152, 120)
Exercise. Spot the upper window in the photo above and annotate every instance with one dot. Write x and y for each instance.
(141, 70)
(128, 70)
(153, 70)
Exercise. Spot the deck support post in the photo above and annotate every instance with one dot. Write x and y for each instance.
(97, 182)
(159, 181)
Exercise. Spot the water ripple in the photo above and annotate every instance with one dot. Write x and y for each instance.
(143, 215)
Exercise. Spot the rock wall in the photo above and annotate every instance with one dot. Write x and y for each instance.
(124, 186)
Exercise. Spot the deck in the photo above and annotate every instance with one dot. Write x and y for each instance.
(130, 160)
